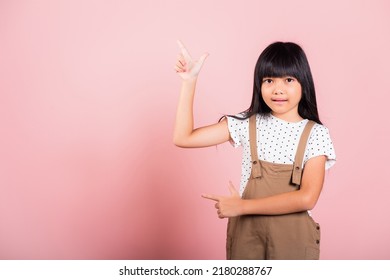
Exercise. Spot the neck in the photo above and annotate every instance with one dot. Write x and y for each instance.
(288, 117)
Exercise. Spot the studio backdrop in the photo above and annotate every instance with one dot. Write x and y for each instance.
(88, 96)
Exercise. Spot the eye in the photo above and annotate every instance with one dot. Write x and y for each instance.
(267, 81)
(290, 80)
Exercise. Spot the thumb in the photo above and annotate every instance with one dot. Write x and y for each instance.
(232, 189)
(203, 58)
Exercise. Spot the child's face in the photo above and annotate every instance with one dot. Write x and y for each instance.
(282, 95)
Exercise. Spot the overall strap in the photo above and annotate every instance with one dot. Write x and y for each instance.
(256, 168)
(298, 167)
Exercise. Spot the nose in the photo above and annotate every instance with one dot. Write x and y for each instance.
(279, 89)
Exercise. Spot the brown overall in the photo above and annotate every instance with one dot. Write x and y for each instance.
(273, 237)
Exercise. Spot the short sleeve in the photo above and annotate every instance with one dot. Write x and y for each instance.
(238, 130)
(320, 143)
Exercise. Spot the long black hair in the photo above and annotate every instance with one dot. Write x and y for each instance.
(280, 60)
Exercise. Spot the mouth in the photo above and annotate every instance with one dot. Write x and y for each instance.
(279, 100)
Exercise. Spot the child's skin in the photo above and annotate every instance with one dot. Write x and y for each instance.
(282, 95)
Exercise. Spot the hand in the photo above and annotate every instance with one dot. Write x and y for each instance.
(227, 206)
(186, 67)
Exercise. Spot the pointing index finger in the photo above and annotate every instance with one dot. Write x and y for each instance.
(183, 49)
(211, 197)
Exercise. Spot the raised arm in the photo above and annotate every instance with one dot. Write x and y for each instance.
(185, 135)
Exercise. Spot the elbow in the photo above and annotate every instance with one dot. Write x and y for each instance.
(184, 141)
(178, 142)
(309, 202)
(179, 145)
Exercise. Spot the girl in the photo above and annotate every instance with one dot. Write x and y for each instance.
(286, 151)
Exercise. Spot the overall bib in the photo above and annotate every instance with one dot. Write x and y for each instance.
(272, 237)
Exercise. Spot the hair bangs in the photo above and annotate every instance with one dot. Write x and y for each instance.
(279, 64)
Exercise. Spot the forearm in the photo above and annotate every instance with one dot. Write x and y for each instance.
(184, 124)
(285, 203)
(295, 201)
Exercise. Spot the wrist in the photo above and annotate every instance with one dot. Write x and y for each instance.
(190, 80)
(243, 209)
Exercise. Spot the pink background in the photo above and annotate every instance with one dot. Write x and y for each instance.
(87, 104)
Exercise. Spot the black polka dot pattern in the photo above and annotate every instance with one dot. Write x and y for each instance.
(277, 142)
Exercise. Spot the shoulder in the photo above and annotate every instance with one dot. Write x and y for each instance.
(238, 127)
(237, 120)
(319, 131)
(241, 121)
(320, 143)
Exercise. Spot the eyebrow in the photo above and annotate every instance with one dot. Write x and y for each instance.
(279, 77)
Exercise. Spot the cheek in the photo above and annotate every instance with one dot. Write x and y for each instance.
(263, 95)
(265, 91)
(297, 92)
